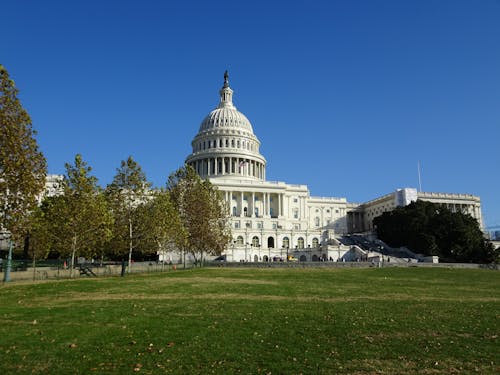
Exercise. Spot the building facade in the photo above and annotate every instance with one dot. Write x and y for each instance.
(272, 220)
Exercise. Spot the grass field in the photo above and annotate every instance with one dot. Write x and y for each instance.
(256, 321)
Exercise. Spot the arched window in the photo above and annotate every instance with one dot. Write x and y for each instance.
(286, 242)
(239, 240)
(270, 242)
(255, 241)
(232, 143)
(300, 243)
(315, 242)
(234, 211)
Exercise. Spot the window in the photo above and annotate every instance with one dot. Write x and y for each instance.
(239, 240)
(300, 243)
(248, 224)
(235, 211)
(256, 211)
(255, 241)
(315, 242)
(296, 227)
(275, 225)
(295, 213)
(236, 225)
(286, 242)
(260, 225)
(295, 200)
(316, 221)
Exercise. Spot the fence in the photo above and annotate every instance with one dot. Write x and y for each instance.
(25, 273)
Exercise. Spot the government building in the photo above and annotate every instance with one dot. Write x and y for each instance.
(273, 220)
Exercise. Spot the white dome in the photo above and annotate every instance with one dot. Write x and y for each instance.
(226, 117)
(225, 145)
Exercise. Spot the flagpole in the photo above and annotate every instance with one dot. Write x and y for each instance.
(419, 177)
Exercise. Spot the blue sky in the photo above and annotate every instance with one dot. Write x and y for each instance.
(345, 96)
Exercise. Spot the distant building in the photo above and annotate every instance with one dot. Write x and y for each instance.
(273, 219)
(53, 186)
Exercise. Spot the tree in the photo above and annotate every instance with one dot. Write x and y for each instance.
(203, 213)
(23, 167)
(432, 229)
(79, 219)
(128, 190)
(39, 237)
(160, 223)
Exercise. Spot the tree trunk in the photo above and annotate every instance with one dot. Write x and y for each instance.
(129, 243)
(34, 266)
(73, 252)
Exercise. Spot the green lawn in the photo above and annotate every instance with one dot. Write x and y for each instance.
(256, 321)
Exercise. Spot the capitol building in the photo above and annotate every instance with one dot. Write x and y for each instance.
(273, 220)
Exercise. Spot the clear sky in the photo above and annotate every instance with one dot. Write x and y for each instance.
(345, 96)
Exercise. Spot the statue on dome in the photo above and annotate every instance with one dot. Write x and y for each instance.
(226, 79)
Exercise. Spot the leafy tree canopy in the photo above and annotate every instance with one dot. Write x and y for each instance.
(432, 229)
(202, 212)
(160, 223)
(128, 191)
(79, 220)
(22, 165)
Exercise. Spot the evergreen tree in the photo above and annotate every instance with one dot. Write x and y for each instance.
(22, 165)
